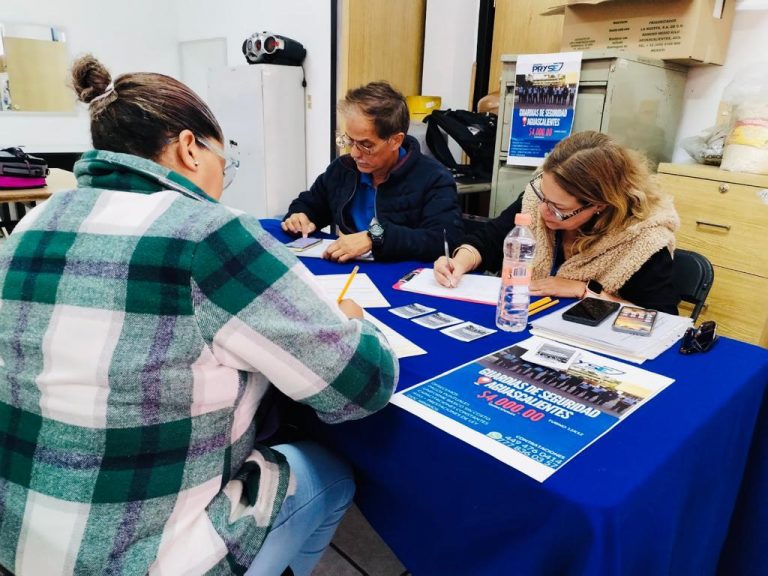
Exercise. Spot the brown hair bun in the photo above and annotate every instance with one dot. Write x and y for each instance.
(89, 78)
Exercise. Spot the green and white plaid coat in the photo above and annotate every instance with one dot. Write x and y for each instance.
(141, 322)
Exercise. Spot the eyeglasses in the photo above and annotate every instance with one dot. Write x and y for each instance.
(345, 142)
(699, 339)
(536, 186)
(230, 156)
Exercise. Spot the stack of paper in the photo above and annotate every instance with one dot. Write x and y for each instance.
(472, 287)
(667, 330)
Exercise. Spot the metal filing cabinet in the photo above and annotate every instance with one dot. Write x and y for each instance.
(636, 100)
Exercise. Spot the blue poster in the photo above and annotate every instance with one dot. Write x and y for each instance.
(531, 416)
(544, 105)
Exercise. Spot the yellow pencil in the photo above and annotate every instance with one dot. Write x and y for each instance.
(544, 307)
(533, 305)
(346, 286)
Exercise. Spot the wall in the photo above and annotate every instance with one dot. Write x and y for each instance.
(450, 46)
(308, 21)
(122, 37)
(704, 87)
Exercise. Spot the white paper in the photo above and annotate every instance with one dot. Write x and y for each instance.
(472, 287)
(362, 289)
(318, 250)
(602, 338)
(467, 331)
(401, 346)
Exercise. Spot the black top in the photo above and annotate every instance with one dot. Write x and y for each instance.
(652, 286)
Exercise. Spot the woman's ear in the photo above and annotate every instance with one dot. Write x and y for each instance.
(187, 150)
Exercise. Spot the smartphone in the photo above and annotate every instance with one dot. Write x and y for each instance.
(590, 311)
(635, 320)
(303, 243)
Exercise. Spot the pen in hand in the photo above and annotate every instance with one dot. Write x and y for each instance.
(346, 286)
(447, 256)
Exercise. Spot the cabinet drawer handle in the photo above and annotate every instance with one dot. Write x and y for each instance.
(721, 226)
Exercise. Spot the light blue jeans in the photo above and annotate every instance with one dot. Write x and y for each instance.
(307, 519)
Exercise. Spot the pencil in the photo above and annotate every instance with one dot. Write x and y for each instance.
(346, 286)
(544, 307)
(533, 305)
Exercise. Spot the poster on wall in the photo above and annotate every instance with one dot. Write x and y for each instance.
(534, 405)
(544, 105)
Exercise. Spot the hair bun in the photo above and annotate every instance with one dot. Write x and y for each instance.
(89, 78)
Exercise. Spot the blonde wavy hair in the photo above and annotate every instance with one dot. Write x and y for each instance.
(595, 169)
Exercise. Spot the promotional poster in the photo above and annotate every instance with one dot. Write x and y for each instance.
(527, 413)
(544, 105)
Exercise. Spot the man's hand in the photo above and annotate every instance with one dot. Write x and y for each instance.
(298, 223)
(348, 246)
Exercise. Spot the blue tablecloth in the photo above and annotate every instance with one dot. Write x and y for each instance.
(680, 487)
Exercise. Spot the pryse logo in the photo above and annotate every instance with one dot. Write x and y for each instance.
(553, 67)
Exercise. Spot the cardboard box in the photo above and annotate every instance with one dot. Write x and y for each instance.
(684, 31)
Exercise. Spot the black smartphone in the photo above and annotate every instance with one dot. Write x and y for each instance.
(590, 311)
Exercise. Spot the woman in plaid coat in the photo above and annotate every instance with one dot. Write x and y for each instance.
(141, 324)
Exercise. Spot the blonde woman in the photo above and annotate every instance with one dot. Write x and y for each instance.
(601, 226)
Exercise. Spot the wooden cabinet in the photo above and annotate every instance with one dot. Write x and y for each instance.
(724, 216)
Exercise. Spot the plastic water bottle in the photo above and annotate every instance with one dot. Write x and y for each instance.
(514, 297)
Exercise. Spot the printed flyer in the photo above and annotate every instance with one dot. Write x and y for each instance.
(531, 416)
(544, 105)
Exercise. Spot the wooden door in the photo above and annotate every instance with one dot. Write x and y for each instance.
(381, 41)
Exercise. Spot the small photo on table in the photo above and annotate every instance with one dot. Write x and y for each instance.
(437, 320)
(411, 310)
(467, 331)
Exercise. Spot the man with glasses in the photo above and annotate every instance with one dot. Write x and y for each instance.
(383, 196)
(602, 228)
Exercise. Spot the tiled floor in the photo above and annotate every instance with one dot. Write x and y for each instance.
(357, 550)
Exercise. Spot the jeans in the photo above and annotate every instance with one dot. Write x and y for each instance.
(308, 519)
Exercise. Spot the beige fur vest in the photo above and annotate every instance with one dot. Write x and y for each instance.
(615, 257)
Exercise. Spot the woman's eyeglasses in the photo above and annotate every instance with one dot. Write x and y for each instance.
(536, 186)
(344, 142)
(699, 339)
(230, 156)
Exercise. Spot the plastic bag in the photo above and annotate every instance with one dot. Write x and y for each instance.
(746, 147)
(707, 146)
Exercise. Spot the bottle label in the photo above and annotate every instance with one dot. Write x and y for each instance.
(516, 274)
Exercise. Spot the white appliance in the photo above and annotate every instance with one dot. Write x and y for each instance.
(261, 107)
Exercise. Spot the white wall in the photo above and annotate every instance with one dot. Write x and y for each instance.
(450, 46)
(748, 50)
(308, 21)
(126, 37)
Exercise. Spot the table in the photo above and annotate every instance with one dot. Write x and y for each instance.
(678, 488)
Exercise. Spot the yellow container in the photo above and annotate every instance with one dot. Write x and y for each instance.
(421, 106)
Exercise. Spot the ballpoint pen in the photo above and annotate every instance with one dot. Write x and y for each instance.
(346, 286)
(447, 255)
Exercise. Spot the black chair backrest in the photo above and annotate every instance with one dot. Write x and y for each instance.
(693, 278)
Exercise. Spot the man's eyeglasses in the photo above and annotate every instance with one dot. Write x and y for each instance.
(230, 156)
(699, 339)
(345, 142)
(536, 185)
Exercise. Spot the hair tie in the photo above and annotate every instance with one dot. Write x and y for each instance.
(107, 92)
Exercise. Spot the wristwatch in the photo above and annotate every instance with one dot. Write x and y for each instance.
(376, 234)
(594, 288)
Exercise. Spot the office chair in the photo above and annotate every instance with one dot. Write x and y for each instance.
(693, 277)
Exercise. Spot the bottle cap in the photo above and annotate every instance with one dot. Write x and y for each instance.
(522, 219)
